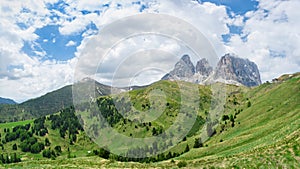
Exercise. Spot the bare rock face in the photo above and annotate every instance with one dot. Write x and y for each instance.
(184, 68)
(237, 69)
(230, 69)
(203, 68)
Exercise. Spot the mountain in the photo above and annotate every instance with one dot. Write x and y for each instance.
(51, 102)
(6, 101)
(230, 69)
(184, 68)
(237, 69)
(203, 67)
(259, 128)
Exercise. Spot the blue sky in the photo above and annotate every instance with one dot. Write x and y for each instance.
(237, 6)
(41, 41)
(51, 44)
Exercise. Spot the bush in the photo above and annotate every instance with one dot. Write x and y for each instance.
(25, 147)
(57, 149)
(37, 148)
(182, 164)
(225, 117)
(198, 143)
(49, 154)
(14, 147)
(47, 142)
(249, 104)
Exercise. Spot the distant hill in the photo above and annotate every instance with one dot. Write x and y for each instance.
(47, 104)
(6, 101)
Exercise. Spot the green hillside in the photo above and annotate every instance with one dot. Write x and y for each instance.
(259, 128)
(47, 104)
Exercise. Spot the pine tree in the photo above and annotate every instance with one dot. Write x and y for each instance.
(47, 142)
(15, 147)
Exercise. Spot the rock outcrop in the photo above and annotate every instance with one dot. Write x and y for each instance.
(237, 69)
(230, 69)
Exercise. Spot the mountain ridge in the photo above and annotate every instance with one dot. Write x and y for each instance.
(230, 69)
(56, 100)
(7, 101)
(47, 104)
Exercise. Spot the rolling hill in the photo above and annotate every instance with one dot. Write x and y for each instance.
(259, 128)
(47, 104)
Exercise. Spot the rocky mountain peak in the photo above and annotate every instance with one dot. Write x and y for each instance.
(230, 69)
(237, 69)
(203, 67)
(186, 59)
(183, 68)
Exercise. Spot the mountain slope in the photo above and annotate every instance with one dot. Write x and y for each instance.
(262, 130)
(49, 103)
(267, 131)
(6, 101)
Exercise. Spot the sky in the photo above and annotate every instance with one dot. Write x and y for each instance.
(42, 42)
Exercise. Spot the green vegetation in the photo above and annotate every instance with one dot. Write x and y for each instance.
(34, 108)
(47, 104)
(260, 128)
(182, 164)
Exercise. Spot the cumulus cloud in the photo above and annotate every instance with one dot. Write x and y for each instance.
(162, 33)
(77, 25)
(271, 38)
(35, 80)
(23, 76)
(209, 18)
(203, 17)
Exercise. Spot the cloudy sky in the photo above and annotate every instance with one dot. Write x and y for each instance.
(41, 42)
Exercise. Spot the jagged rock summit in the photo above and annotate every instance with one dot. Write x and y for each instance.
(184, 68)
(237, 69)
(230, 69)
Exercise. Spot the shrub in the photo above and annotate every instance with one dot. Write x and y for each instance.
(57, 149)
(187, 148)
(37, 147)
(14, 147)
(182, 164)
(249, 104)
(198, 143)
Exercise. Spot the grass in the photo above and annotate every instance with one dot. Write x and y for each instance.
(265, 135)
(13, 124)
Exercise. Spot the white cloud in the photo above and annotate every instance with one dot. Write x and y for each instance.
(77, 25)
(71, 43)
(273, 28)
(204, 17)
(34, 80)
(23, 76)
